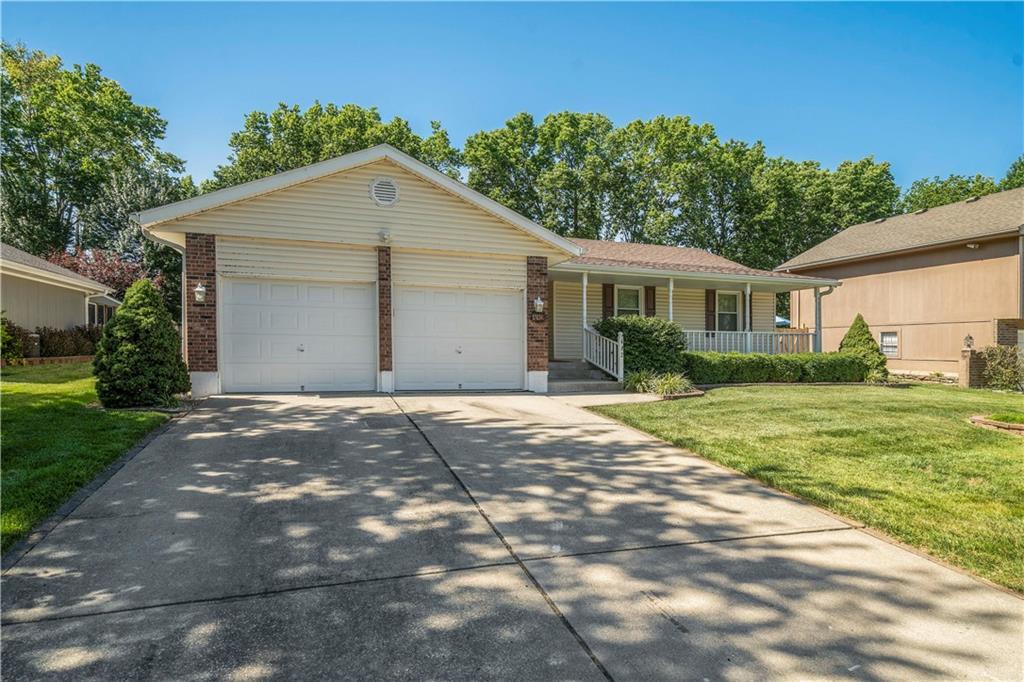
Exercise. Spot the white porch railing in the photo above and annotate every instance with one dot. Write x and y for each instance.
(604, 353)
(773, 343)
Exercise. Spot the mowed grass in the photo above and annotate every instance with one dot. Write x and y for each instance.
(1009, 417)
(55, 439)
(903, 461)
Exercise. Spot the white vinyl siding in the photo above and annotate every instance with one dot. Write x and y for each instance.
(687, 306)
(425, 268)
(762, 308)
(568, 319)
(32, 304)
(295, 260)
(338, 209)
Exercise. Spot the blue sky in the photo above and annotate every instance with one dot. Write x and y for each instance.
(933, 88)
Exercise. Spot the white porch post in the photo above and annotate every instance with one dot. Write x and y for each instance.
(671, 289)
(584, 300)
(747, 319)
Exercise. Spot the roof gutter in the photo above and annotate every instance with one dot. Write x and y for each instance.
(801, 282)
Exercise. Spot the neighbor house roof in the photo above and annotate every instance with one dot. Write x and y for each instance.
(667, 259)
(255, 188)
(977, 218)
(16, 261)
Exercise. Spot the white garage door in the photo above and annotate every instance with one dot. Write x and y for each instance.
(298, 336)
(450, 339)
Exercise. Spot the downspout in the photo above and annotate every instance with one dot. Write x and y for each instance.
(1020, 274)
(818, 295)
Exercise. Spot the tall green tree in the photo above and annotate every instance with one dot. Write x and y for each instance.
(1014, 177)
(656, 176)
(288, 137)
(861, 191)
(936, 191)
(555, 173)
(66, 133)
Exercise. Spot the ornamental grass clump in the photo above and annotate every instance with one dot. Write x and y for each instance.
(138, 359)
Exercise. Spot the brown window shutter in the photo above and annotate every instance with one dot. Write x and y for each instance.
(607, 301)
(710, 323)
(649, 299)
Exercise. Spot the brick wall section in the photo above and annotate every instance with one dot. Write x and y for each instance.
(972, 365)
(384, 307)
(537, 325)
(1006, 331)
(201, 318)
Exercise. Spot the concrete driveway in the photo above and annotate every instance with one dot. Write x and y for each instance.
(472, 537)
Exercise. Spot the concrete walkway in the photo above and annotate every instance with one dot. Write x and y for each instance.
(472, 537)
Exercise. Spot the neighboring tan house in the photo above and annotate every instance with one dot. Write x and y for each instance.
(36, 293)
(924, 281)
(375, 272)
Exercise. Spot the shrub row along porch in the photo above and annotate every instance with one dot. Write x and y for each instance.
(718, 305)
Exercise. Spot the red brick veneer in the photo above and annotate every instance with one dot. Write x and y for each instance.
(537, 325)
(384, 307)
(201, 318)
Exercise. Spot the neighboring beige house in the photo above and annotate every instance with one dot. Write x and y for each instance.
(924, 281)
(375, 272)
(37, 293)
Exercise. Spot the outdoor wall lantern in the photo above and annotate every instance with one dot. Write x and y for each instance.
(384, 236)
(538, 305)
(200, 292)
(968, 341)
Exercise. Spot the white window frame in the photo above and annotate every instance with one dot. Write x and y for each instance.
(881, 345)
(639, 298)
(739, 309)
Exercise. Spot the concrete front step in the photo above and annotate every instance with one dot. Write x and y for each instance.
(576, 370)
(577, 375)
(586, 386)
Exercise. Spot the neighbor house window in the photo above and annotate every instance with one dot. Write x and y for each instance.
(627, 301)
(890, 343)
(728, 311)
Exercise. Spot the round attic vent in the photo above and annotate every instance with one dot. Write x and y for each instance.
(384, 191)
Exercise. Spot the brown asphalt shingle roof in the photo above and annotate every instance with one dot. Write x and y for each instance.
(10, 254)
(657, 257)
(993, 214)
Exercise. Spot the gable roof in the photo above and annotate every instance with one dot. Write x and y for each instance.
(248, 190)
(657, 257)
(988, 216)
(16, 260)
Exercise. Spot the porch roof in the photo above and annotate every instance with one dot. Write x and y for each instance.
(614, 260)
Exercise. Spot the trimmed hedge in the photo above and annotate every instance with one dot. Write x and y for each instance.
(754, 368)
(653, 344)
(57, 343)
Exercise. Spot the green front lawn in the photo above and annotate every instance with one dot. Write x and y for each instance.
(1009, 417)
(904, 461)
(55, 438)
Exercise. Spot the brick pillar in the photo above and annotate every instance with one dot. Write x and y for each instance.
(537, 323)
(384, 307)
(972, 365)
(201, 318)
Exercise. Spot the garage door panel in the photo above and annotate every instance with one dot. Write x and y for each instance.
(449, 339)
(265, 324)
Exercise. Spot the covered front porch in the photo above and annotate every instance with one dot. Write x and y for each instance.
(714, 311)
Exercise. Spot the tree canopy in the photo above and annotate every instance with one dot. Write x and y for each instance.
(79, 156)
(288, 137)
